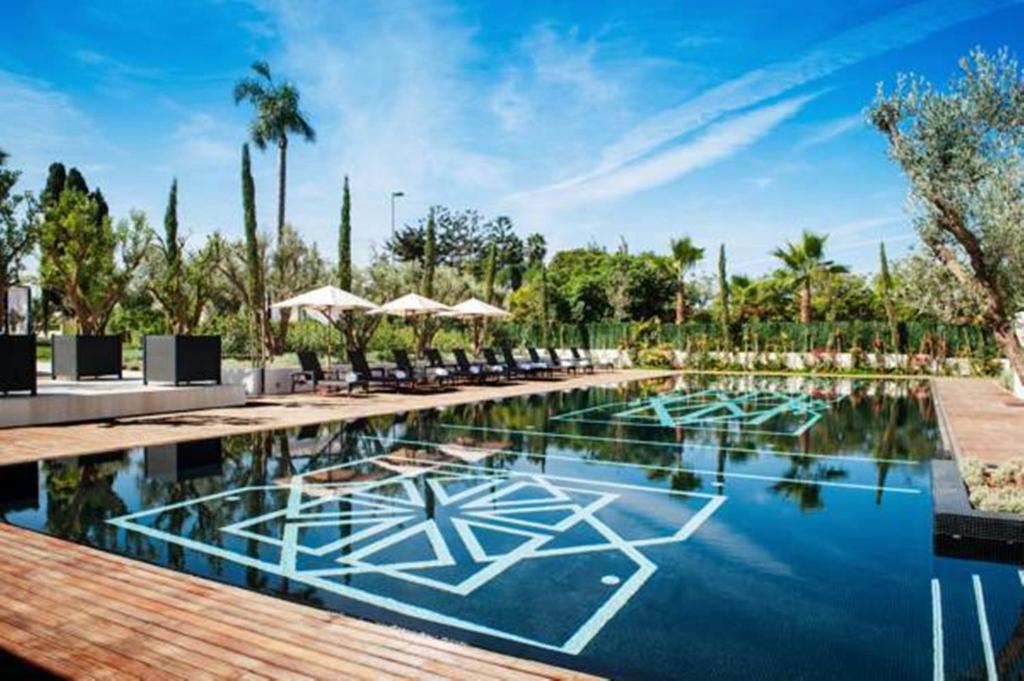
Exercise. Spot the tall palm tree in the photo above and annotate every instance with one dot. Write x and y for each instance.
(805, 262)
(277, 116)
(685, 255)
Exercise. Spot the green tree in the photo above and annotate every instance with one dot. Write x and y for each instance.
(490, 274)
(885, 293)
(723, 297)
(19, 225)
(345, 240)
(90, 262)
(685, 255)
(255, 269)
(961, 151)
(805, 263)
(179, 281)
(277, 115)
(429, 258)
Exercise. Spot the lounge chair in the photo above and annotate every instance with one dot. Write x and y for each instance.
(471, 371)
(313, 374)
(521, 368)
(581, 362)
(539, 361)
(492, 361)
(362, 374)
(568, 366)
(404, 372)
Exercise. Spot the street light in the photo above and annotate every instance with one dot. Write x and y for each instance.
(394, 195)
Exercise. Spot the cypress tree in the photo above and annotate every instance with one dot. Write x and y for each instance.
(345, 240)
(76, 182)
(429, 257)
(252, 250)
(56, 178)
(723, 297)
(492, 267)
(171, 230)
(885, 292)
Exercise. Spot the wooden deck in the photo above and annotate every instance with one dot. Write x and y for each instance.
(40, 442)
(982, 420)
(82, 613)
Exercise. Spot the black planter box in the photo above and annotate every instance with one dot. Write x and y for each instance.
(181, 359)
(18, 368)
(90, 356)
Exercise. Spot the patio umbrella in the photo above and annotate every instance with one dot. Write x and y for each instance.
(476, 310)
(412, 306)
(328, 301)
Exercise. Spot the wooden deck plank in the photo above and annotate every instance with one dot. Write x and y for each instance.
(161, 589)
(88, 614)
(983, 420)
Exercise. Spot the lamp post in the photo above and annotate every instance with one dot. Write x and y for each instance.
(394, 195)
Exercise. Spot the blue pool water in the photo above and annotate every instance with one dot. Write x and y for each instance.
(739, 528)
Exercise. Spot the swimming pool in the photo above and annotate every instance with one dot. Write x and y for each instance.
(684, 528)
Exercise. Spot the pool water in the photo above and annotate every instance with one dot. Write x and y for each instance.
(739, 528)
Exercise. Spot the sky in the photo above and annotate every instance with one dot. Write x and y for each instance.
(591, 122)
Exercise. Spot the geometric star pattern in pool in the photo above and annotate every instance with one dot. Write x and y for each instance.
(756, 411)
(439, 544)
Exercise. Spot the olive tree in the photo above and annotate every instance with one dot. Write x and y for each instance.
(961, 150)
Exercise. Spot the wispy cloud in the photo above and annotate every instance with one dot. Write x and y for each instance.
(896, 29)
(206, 140)
(47, 124)
(832, 129)
(714, 144)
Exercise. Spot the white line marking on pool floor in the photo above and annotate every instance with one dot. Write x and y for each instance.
(937, 651)
(986, 636)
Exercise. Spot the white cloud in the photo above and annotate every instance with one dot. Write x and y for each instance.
(205, 140)
(567, 61)
(43, 124)
(716, 143)
(896, 29)
(833, 129)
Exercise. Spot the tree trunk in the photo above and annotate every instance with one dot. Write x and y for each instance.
(4, 325)
(282, 174)
(680, 303)
(1007, 338)
(805, 303)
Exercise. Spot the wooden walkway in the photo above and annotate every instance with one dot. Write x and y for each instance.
(40, 442)
(82, 613)
(983, 421)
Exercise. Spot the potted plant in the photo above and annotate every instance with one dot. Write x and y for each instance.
(181, 359)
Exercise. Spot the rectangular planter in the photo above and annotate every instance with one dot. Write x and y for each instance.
(86, 356)
(18, 368)
(181, 359)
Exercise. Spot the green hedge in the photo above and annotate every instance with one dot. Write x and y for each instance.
(931, 338)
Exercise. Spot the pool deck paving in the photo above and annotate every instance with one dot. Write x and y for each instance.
(78, 612)
(982, 420)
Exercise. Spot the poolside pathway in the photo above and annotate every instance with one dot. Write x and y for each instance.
(983, 421)
(81, 613)
(41, 442)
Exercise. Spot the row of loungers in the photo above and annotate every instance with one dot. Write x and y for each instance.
(438, 373)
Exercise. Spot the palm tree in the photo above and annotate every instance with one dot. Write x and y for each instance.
(804, 263)
(685, 255)
(277, 115)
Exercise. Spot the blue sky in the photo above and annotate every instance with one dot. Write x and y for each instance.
(734, 122)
